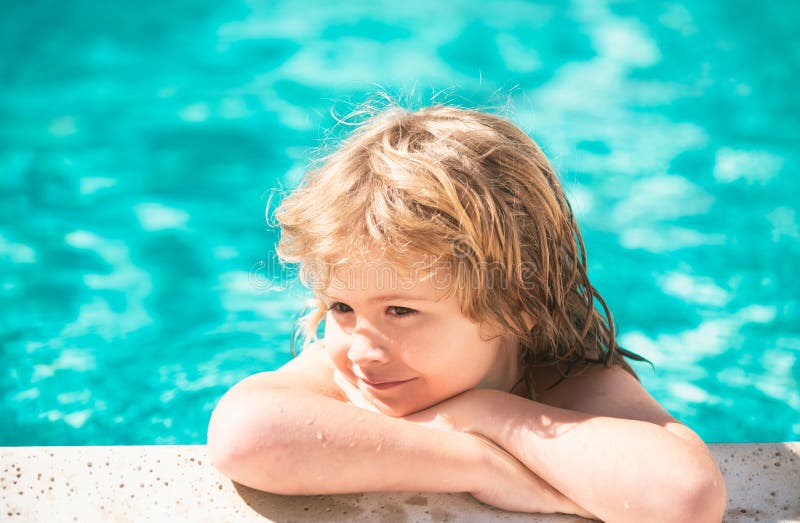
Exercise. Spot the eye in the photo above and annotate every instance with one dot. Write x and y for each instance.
(400, 312)
(339, 307)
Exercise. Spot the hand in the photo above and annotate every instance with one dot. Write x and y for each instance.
(510, 485)
(505, 483)
(458, 413)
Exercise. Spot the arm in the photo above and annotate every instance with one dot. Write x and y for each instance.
(291, 441)
(619, 469)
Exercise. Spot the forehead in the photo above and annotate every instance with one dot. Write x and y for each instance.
(372, 273)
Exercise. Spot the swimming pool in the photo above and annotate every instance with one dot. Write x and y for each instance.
(139, 146)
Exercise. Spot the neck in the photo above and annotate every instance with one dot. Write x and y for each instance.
(507, 371)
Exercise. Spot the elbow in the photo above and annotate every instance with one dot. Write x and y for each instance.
(242, 442)
(221, 445)
(704, 499)
(225, 424)
(711, 498)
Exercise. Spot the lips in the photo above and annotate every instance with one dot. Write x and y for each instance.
(383, 383)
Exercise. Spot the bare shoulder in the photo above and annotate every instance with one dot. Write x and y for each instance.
(613, 392)
(606, 391)
(311, 370)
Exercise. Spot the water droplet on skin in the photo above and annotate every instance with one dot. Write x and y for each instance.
(309, 421)
(320, 437)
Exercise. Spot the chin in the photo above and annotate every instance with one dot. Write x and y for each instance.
(395, 412)
(399, 411)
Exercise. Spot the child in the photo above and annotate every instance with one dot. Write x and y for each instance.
(464, 348)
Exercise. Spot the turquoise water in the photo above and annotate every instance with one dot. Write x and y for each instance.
(139, 146)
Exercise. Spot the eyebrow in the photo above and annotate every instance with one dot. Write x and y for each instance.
(385, 297)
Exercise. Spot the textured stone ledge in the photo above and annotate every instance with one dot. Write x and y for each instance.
(177, 483)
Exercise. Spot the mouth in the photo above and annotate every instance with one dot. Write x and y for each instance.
(384, 385)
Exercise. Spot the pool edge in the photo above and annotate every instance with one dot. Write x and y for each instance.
(177, 482)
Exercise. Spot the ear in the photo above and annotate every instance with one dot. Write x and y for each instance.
(488, 330)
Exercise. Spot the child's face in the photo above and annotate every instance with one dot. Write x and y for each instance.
(379, 329)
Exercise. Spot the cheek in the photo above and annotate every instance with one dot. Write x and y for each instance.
(466, 351)
(337, 341)
(436, 353)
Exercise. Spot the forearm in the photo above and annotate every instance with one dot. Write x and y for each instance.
(618, 469)
(297, 442)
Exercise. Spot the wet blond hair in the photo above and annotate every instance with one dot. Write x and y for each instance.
(471, 190)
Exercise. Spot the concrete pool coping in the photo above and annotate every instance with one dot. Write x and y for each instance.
(177, 483)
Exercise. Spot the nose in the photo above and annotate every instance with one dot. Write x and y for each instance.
(365, 347)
